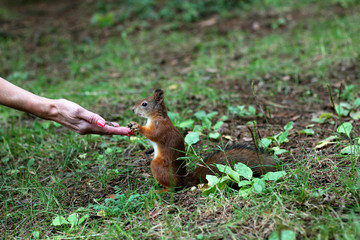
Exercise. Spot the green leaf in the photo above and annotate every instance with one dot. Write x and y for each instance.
(278, 151)
(30, 162)
(174, 117)
(283, 137)
(355, 115)
(243, 170)
(214, 135)
(288, 235)
(244, 183)
(59, 220)
(200, 115)
(36, 234)
(285, 235)
(252, 110)
(186, 124)
(218, 125)
(211, 115)
(227, 170)
(289, 126)
(265, 142)
(357, 102)
(244, 192)
(345, 128)
(273, 176)
(83, 218)
(307, 131)
(206, 123)
(259, 185)
(192, 138)
(73, 219)
(341, 111)
(57, 125)
(351, 150)
(212, 180)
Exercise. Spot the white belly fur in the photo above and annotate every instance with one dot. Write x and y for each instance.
(153, 144)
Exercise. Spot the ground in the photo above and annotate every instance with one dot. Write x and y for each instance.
(292, 62)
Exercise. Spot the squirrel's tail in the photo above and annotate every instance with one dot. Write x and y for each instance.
(257, 159)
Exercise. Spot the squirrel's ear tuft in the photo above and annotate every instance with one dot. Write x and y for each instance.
(158, 94)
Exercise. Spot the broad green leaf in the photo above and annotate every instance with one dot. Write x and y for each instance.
(283, 137)
(59, 220)
(243, 170)
(192, 138)
(288, 235)
(36, 234)
(174, 117)
(244, 192)
(357, 102)
(341, 111)
(278, 151)
(211, 115)
(197, 128)
(73, 219)
(30, 162)
(259, 185)
(274, 236)
(285, 235)
(345, 128)
(244, 183)
(351, 150)
(252, 110)
(215, 135)
(227, 169)
(289, 126)
(83, 218)
(273, 176)
(212, 180)
(307, 131)
(186, 124)
(200, 115)
(206, 123)
(325, 115)
(265, 142)
(355, 115)
(218, 125)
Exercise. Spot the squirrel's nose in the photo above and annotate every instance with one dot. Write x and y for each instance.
(132, 108)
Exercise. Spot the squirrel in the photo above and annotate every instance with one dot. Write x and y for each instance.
(168, 166)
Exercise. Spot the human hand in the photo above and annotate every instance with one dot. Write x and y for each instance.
(80, 120)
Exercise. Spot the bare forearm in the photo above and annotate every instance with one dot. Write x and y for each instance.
(18, 98)
(65, 112)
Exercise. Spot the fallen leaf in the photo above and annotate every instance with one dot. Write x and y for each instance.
(208, 22)
(247, 139)
(228, 137)
(101, 213)
(112, 196)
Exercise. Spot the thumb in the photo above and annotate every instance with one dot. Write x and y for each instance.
(93, 118)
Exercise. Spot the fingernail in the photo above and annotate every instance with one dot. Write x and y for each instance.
(101, 123)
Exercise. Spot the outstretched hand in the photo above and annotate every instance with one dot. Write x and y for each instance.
(80, 120)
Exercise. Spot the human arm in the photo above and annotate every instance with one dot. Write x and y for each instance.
(65, 112)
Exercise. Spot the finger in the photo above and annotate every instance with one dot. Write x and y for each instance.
(92, 118)
(115, 124)
(117, 130)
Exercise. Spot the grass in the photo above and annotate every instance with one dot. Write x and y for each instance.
(48, 171)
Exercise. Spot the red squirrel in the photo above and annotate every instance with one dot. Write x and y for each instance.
(169, 146)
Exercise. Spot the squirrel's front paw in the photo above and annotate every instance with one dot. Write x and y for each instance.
(134, 127)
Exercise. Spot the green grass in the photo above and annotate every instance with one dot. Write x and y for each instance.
(47, 170)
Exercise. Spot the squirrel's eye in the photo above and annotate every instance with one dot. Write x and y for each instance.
(144, 104)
